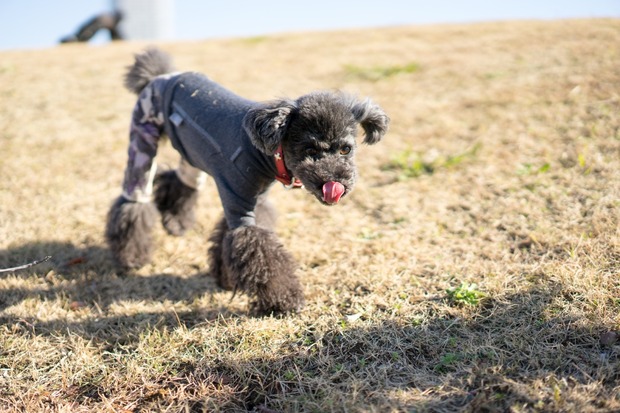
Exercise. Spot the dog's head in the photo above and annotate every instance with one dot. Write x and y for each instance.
(318, 137)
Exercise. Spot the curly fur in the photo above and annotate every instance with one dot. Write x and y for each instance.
(176, 202)
(148, 65)
(266, 125)
(255, 261)
(129, 232)
(265, 218)
(372, 119)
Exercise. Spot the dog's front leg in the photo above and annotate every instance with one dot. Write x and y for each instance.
(265, 218)
(256, 262)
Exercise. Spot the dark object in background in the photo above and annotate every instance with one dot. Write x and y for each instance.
(105, 21)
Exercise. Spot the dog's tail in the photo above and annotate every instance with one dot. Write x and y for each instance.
(148, 65)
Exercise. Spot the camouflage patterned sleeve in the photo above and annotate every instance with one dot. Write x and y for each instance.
(146, 128)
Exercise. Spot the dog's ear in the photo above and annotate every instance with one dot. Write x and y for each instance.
(373, 120)
(267, 124)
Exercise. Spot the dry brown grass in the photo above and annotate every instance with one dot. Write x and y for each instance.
(502, 168)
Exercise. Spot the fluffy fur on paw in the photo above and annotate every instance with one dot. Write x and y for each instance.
(176, 202)
(265, 218)
(257, 263)
(129, 232)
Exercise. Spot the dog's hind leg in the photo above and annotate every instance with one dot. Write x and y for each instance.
(132, 216)
(256, 262)
(176, 195)
(128, 231)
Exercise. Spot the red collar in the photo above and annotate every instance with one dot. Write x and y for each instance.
(284, 176)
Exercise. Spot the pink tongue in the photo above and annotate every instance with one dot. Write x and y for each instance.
(332, 191)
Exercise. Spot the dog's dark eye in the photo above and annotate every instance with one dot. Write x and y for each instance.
(345, 150)
(311, 152)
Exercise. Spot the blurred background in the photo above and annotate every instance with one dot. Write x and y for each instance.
(26, 24)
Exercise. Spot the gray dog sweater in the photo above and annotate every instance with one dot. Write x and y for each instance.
(204, 122)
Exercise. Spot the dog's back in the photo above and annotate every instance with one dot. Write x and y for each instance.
(148, 65)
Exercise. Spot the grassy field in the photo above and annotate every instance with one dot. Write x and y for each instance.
(476, 267)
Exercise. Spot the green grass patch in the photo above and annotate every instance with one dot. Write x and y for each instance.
(531, 169)
(376, 73)
(254, 40)
(410, 164)
(447, 362)
(465, 293)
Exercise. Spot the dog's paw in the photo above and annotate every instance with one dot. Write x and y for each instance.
(278, 298)
(176, 202)
(177, 225)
